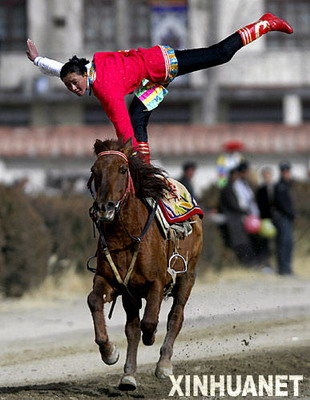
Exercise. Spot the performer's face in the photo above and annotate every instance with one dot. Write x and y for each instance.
(77, 84)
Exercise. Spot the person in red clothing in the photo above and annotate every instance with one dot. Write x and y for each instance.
(147, 72)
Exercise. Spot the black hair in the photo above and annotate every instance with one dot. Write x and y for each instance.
(75, 64)
(285, 166)
(243, 166)
(189, 165)
(232, 171)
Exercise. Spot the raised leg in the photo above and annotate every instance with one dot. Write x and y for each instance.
(151, 313)
(268, 22)
(196, 59)
(175, 320)
(133, 334)
(98, 296)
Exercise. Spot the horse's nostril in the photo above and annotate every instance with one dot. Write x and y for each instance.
(106, 207)
(110, 205)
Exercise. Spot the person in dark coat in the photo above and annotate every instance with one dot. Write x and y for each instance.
(234, 233)
(189, 169)
(265, 194)
(283, 217)
(264, 199)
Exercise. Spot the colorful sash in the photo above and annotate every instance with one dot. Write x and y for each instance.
(150, 93)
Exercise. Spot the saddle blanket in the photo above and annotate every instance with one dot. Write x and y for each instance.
(178, 204)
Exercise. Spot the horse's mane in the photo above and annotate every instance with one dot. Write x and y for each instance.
(149, 181)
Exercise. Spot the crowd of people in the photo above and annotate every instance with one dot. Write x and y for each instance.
(247, 213)
(256, 219)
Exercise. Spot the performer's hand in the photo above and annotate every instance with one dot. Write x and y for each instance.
(32, 51)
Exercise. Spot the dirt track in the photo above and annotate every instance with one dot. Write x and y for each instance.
(258, 327)
(289, 361)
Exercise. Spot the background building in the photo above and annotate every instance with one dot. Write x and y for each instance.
(266, 82)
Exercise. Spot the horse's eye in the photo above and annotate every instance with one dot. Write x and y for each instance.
(123, 169)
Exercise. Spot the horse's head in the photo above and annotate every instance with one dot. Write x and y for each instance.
(111, 178)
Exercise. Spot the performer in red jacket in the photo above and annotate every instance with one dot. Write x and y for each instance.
(147, 72)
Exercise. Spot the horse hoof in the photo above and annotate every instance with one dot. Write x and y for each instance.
(113, 358)
(148, 341)
(163, 372)
(128, 382)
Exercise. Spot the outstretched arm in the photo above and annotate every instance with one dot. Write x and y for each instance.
(32, 51)
(46, 65)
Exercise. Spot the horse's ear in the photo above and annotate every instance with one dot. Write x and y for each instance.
(127, 148)
(97, 146)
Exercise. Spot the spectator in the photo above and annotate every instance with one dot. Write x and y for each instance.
(264, 198)
(229, 160)
(244, 192)
(283, 217)
(233, 232)
(189, 169)
(265, 194)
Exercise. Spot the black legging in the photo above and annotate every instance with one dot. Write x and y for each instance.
(139, 117)
(188, 61)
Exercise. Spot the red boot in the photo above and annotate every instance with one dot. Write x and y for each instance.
(268, 22)
(143, 149)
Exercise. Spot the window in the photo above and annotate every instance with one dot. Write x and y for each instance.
(13, 20)
(139, 24)
(306, 110)
(179, 113)
(170, 113)
(297, 13)
(95, 115)
(246, 111)
(18, 115)
(99, 25)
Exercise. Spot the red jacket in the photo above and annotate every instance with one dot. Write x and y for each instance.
(118, 74)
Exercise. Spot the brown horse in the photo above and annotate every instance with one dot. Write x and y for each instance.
(121, 180)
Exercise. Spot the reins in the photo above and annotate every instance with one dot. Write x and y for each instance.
(137, 239)
(146, 227)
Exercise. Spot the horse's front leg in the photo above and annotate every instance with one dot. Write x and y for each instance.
(133, 334)
(96, 299)
(151, 313)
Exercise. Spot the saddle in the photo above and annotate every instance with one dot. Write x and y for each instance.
(175, 209)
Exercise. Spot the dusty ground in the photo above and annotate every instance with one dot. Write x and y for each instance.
(259, 325)
(290, 361)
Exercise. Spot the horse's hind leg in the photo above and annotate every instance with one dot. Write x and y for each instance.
(96, 299)
(133, 334)
(174, 324)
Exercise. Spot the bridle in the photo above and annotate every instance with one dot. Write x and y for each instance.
(130, 188)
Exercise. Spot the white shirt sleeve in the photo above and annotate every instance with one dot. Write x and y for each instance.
(48, 66)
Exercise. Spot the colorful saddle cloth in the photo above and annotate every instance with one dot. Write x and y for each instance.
(178, 204)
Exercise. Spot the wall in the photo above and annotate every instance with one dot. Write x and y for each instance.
(57, 29)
